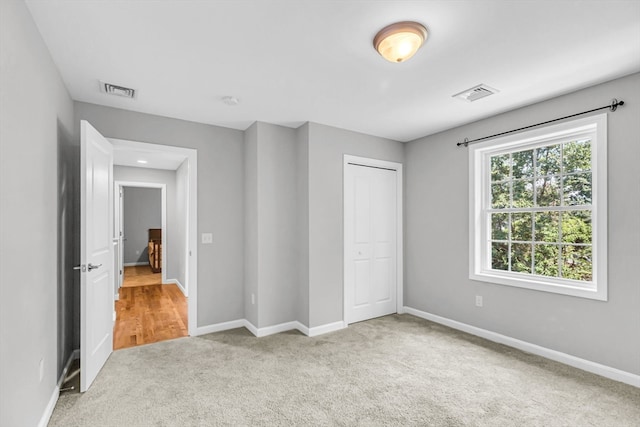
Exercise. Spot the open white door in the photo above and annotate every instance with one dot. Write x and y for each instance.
(96, 259)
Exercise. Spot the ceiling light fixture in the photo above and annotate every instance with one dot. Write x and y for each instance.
(400, 41)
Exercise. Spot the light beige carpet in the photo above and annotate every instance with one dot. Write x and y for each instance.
(395, 370)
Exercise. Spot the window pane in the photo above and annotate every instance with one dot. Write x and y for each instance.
(576, 262)
(522, 194)
(521, 226)
(500, 256)
(500, 195)
(546, 260)
(548, 160)
(547, 225)
(577, 156)
(521, 257)
(576, 227)
(577, 189)
(499, 226)
(500, 168)
(548, 191)
(523, 164)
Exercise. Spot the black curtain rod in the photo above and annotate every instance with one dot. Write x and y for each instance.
(613, 107)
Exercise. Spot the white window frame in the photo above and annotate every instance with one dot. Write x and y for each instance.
(480, 197)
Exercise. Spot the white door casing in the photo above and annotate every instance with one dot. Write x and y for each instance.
(96, 237)
(372, 216)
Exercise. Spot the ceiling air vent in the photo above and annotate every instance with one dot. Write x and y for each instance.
(112, 89)
(475, 93)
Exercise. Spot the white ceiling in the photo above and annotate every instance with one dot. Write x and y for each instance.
(291, 61)
(152, 159)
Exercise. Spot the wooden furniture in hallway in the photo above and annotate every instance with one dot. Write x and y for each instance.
(155, 249)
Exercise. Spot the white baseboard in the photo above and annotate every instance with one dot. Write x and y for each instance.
(325, 329)
(302, 328)
(567, 359)
(48, 411)
(218, 327)
(177, 282)
(275, 329)
(250, 326)
(270, 330)
(289, 326)
(134, 264)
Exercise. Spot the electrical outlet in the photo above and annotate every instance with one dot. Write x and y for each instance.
(253, 299)
(207, 238)
(41, 370)
(478, 300)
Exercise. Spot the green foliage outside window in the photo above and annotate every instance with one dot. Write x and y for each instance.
(532, 231)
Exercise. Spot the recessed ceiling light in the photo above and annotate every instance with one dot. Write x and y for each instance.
(400, 41)
(144, 162)
(230, 100)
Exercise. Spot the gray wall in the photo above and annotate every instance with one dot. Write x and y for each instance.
(271, 245)
(437, 238)
(302, 189)
(327, 146)
(251, 224)
(38, 198)
(293, 219)
(220, 197)
(277, 233)
(142, 210)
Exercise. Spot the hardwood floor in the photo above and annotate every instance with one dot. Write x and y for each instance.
(140, 275)
(148, 313)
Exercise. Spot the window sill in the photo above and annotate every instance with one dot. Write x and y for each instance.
(556, 287)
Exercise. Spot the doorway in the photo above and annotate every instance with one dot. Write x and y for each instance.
(178, 230)
(149, 307)
(140, 224)
(372, 238)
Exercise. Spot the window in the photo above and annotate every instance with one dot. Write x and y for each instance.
(538, 209)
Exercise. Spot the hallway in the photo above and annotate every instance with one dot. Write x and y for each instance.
(148, 311)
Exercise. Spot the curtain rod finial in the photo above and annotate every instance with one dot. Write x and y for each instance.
(465, 143)
(615, 104)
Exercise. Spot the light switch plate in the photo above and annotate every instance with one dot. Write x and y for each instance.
(207, 238)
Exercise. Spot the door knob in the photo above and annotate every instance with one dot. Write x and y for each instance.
(91, 266)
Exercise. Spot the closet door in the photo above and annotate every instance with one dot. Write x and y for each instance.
(370, 212)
